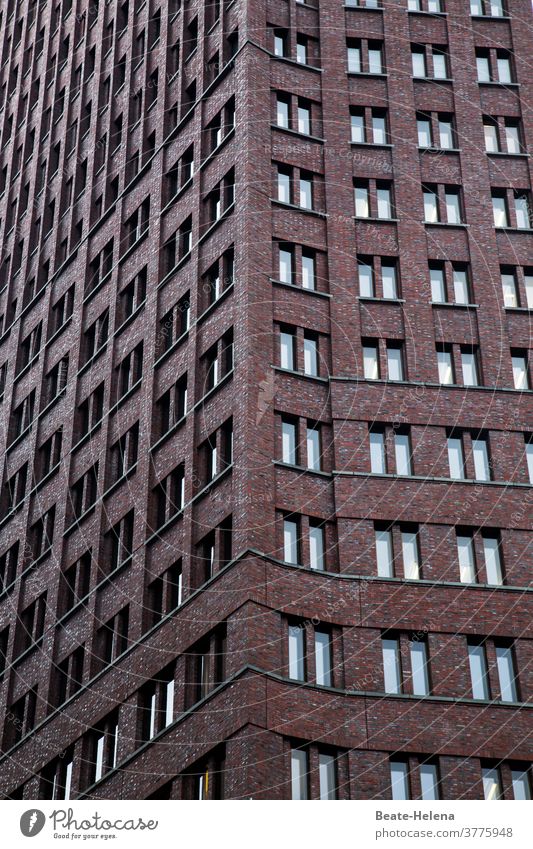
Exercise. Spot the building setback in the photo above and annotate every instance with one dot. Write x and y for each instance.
(266, 288)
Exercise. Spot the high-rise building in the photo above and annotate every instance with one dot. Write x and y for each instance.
(266, 291)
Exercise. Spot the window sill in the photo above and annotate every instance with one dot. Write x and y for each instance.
(491, 17)
(432, 79)
(155, 535)
(206, 490)
(116, 484)
(454, 305)
(439, 150)
(373, 220)
(130, 318)
(86, 436)
(208, 310)
(498, 84)
(368, 75)
(361, 8)
(508, 229)
(459, 224)
(177, 195)
(293, 62)
(76, 523)
(526, 310)
(293, 287)
(170, 432)
(214, 224)
(426, 13)
(297, 208)
(295, 373)
(169, 351)
(504, 153)
(384, 145)
(216, 150)
(302, 469)
(132, 248)
(297, 133)
(430, 478)
(181, 262)
(127, 395)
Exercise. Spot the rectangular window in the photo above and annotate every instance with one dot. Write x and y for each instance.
(310, 356)
(506, 673)
(288, 442)
(429, 781)
(520, 375)
(323, 664)
(469, 367)
(410, 555)
(316, 547)
(492, 783)
(479, 676)
(394, 362)
(399, 780)
(366, 279)
(362, 206)
(287, 343)
(390, 648)
(480, 451)
(297, 653)
(388, 280)
(308, 270)
(384, 554)
(370, 362)
(378, 463)
(467, 563)
(445, 367)
(313, 448)
(402, 453)
(291, 541)
(456, 458)
(510, 295)
(438, 289)
(285, 264)
(282, 112)
(299, 774)
(529, 460)
(521, 784)
(418, 651)
(326, 774)
(493, 563)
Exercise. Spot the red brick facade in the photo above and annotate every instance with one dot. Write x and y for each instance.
(162, 386)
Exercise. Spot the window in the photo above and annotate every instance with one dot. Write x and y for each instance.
(467, 563)
(176, 322)
(493, 560)
(384, 554)
(310, 355)
(316, 546)
(299, 774)
(164, 593)
(479, 676)
(133, 295)
(469, 366)
(502, 135)
(368, 126)
(361, 60)
(172, 405)
(410, 555)
(378, 462)
(291, 541)
(102, 748)
(445, 366)
(438, 290)
(118, 542)
(522, 210)
(75, 582)
(304, 118)
(499, 209)
(156, 704)
(519, 362)
(313, 447)
(95, 337)
(309, 271)
(170, 496)
(301, 50)
(506, 672)
(42, 533)
(418, 653)
(280, 42)
(283, 111)
(284, 185)
(306, 191)
(323, 658)
(83, 492)
(112, 638)
(509, 288)
(529, 458)
(418, 61)
(492, 783)
(399, 777)
(490, 8)
(390, 647)
(429, 781)
(297, 653)
(30, 628)
(56, 778)
(129, 372)
(362, 206)
(480, 453)
(456, 457)
(370, 361)
(8, 566)
(123, 453)
(402, 453)
(56, 380)
(394, 362)
(521, 783)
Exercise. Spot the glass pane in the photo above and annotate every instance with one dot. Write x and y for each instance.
(506, 673)
(483, 69)
(290, 541)
(310, 357)
(453, 208)
(316, 548)
(169, 702)
(419, 64)
(287, 350)
(460, 286)
(299, 772)
(512, 138)
(521, 784)
(308, 271)
(424, 133)
(399, 780)
(313, 448)
(469, 368)
(358, 128)
(528, 282)
(361, 202)
(384, 554)
(509, 290)
(499, 211)
(366, 280)
(304, 120)
(478, 672)
(377, 453)
(493, 566)
(370, 362)
(354, 60)
(285, 265)
(455, 458)
(522, 212)
(379, 131)
(438, 291)
(288, 442)
(284, 187)
(374, 61)
(384, 203)
(440, 71)
(283, 114)
(326, 772)
(491, 138)
(431, 210)
(491, 783)
(429, 781)
(419, 672)
(306, 194)
(394, 364)
(519, 372)
(411, 565)
(323, 658)
(388, 278)
(529, 460)
(391, 665)
(444, 361)
(402, 454)
(465, 551)
(481, 459)
(296, 653)
(504, 70)
(446, 135)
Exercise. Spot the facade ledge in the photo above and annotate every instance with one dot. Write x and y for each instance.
(296, 288)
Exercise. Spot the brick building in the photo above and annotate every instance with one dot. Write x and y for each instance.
(266, 287)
